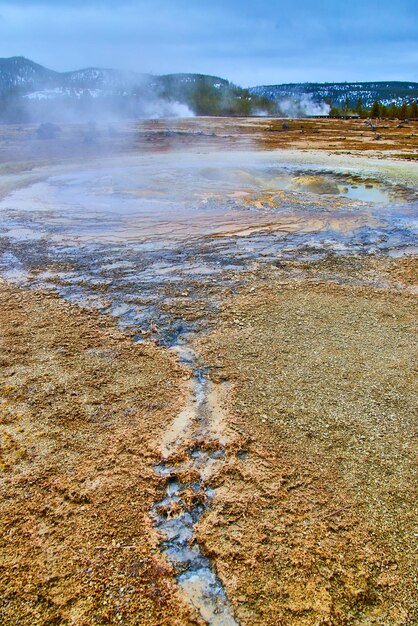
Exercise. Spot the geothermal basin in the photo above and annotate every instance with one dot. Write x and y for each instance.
(144, 237)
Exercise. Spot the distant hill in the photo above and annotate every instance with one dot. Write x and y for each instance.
(24, 77)
(385, 92)
(20, 74)
(29, 91)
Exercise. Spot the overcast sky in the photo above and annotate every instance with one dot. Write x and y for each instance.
(248, 41)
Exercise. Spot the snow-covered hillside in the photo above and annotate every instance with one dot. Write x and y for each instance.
(385, 92)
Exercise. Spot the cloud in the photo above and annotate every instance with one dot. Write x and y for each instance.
(250, 43)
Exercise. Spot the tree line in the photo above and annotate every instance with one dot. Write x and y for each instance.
(406, 110)
(202, 98)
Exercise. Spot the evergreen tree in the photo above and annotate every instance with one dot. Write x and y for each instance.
(359, 106)
(375, 110)
(347, 103)
(413, 109)
(393, 111)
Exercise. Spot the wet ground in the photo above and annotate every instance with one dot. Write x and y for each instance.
(128, 238)
(157, 240)
(188, 497)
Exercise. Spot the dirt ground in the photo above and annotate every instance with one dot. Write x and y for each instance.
(315, 524)
(345, 135)
(19, 144)
(314, 517)
(81, 410)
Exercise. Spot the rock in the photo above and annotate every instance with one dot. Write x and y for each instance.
(48, 130)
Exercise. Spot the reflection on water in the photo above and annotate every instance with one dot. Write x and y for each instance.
(126, 239)
(154, 244)
(191, 197)
(367, 194)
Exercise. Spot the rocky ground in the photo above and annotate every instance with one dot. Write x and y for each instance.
(82, 410)
(314, 513)
(315, 524)
(20, 144)
(313, 519)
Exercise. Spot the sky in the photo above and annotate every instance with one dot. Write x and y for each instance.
(250, 42)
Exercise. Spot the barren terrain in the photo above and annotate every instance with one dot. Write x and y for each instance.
(307, 483)
(82, 411)
(317, 523)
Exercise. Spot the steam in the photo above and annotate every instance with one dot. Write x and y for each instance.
(59, 106)
(158, 108)
(301, 106)
(261, 113)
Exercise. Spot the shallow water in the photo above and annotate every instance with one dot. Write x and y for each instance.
(155, 203)
(128, 237)
(184, 503)
(139, 240)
